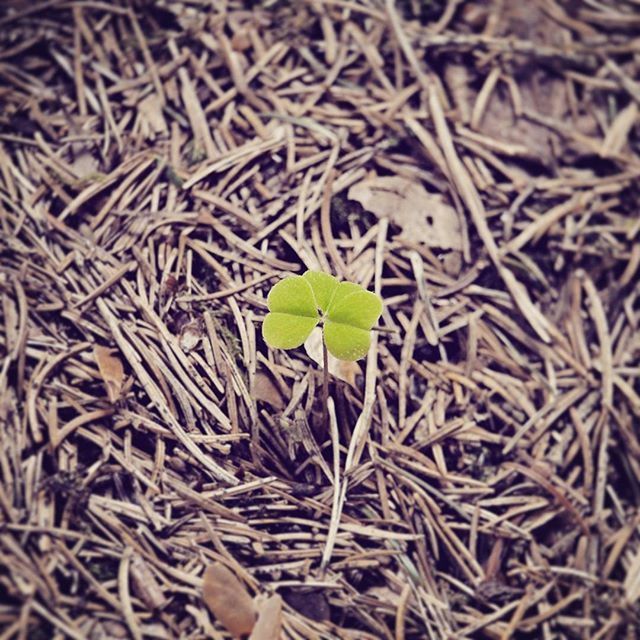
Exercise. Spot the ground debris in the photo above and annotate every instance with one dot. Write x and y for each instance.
(163, 164)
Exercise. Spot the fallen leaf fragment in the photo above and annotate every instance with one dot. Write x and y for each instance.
(310, 602)
(269, 623)
(228, 600)
(341, 369)
(145, 584)
(632, 581)
(423, 217)
(190, 335)
(618, 134)
(265, 391)
(385, 594)
(85, 164)
(150, 110)
(111, 370)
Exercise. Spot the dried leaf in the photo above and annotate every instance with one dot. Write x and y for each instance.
(111, 370)
(632, 581)
(190, 335)
(265, 391)
(500, 121)
(150, 109)
(342, 369)
(107, 629)
(269, 623)
(385, 594)
(457, 78)
(85, 164)
(145, 584)
(311, 603)
(618, 133)
(423, 217)
(538, 91)
(228, 600)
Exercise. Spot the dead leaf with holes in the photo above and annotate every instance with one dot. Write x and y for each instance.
(111, 370)
(341, 369)
(423, 217)
(228, 600)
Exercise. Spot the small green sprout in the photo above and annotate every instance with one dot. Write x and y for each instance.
(346, 311)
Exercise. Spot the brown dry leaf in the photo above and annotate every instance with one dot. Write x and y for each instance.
(228, 600)
(341, 369)
(265, 391)
(269, 623)
(539, 92)
(111, 370)
(423, 217)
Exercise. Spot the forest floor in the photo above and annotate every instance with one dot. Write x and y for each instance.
(164, 163)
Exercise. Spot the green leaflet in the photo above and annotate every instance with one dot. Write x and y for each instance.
(348, 314)
(286, 331)
(293, 296)
(360, 309)
(324, 287)
(345, 289)
(345, 342)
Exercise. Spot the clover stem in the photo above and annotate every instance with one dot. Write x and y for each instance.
(325, 386)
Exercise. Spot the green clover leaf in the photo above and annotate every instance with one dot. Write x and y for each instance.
(298, 303)
(293, 313)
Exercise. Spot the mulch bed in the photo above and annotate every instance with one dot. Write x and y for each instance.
(163, 164)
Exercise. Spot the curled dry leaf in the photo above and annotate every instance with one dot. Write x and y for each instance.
(228, 600)
(111, 370)
(269, 623)
(423, 217)
(341, 369)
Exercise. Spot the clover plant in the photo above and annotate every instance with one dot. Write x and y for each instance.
(346, 311)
